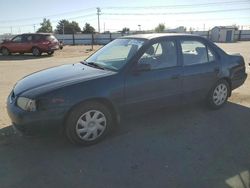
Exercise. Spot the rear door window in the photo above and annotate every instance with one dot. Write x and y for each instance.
(36, 37)
(195, 52)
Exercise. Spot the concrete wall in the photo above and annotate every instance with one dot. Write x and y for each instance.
(87, 38)
(243, 35)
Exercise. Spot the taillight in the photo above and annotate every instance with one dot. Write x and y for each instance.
(46, 42)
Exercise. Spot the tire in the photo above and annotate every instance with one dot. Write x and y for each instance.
(36, 52)
(50, 53)
(5, 51)
(88, 123)
(218, 95)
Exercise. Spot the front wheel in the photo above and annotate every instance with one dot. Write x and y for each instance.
(50, 53)
(88, 123)
(219, 94)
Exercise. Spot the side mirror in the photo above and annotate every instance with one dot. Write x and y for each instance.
(143, 67)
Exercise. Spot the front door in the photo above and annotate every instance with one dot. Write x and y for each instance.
(16, 44)
(159, 85)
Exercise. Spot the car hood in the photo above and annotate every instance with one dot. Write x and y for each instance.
(57, 77)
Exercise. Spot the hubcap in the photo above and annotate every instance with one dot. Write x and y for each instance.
(220, 94)
(35, 51)
(5, 51)
(91, 125)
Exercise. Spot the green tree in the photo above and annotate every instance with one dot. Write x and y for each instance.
(160, 28)
(46, 26)
(68, 27)
(88, 29)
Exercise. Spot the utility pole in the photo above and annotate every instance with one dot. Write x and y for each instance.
(63, 32)
(34, 28)
(104, 27)
(98, 15)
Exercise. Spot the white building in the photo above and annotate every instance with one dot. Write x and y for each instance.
(223, 33)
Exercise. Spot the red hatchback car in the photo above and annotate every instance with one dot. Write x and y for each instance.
(36, 44)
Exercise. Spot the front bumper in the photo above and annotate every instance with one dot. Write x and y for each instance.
(237, 82)
(29, 122)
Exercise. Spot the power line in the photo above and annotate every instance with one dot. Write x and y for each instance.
(181, 5)
(138, 7)
(198, 19)
(176, 13)
(54, 15)
(53, 21)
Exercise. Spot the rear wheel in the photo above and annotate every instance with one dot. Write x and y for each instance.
(5, 51)
(219, 94)
(88, 124)
(50, 53)
(36, 51)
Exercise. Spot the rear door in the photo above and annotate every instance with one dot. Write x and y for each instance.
(200, 69)
(159, 86)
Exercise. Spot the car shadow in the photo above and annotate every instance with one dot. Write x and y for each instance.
(187, 146)
(16, 57)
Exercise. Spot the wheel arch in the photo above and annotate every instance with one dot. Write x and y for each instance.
(35, 47)
(4, 47)
(107, 103)
(229, 83)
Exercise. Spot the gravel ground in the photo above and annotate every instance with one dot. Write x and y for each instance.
(188, 146)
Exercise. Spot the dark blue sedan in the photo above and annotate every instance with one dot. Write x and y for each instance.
(129, 75)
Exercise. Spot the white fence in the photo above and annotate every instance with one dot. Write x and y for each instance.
(86, 39)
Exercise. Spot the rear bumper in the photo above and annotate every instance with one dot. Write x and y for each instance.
(49, 48)
(237, 82)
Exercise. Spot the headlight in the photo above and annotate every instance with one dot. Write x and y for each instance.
(26, 104)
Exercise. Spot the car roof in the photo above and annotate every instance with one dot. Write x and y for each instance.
(159, 35)
(36, 34)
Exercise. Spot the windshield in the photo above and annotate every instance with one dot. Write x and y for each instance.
(116, 54)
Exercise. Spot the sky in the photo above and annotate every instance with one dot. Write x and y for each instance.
(20, 16)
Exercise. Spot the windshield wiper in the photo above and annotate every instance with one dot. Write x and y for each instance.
(93, 64)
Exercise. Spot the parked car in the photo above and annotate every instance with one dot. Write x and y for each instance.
(129, 75)
(36, 44)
